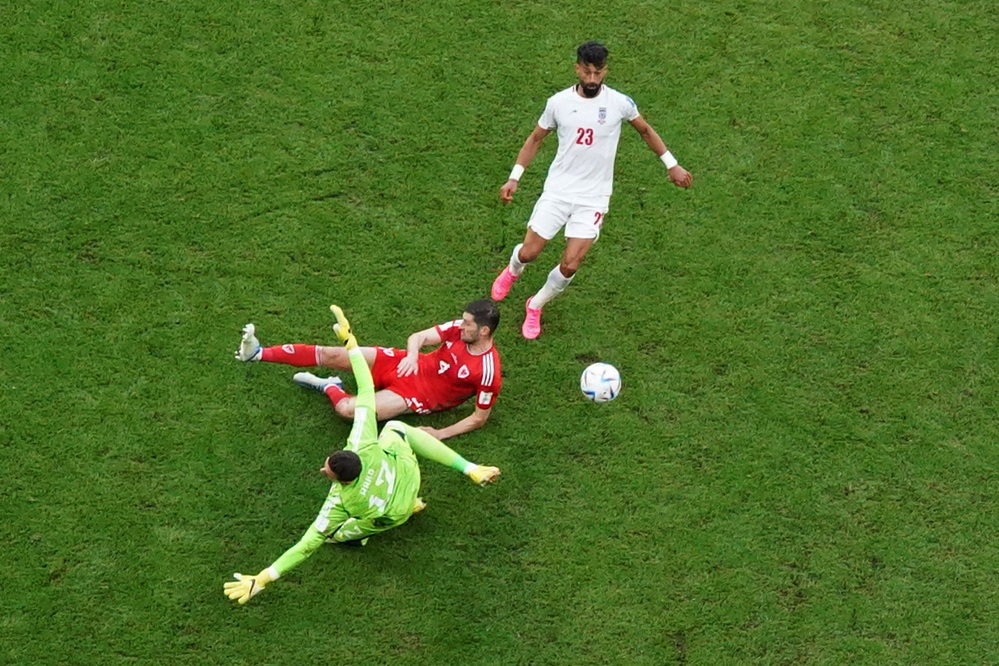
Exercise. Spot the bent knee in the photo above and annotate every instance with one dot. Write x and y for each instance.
(569, 268)
(399, 428)
(345, 408)
(527, 255)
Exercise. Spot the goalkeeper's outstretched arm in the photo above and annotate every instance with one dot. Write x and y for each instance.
(331, 517)
(245, 587)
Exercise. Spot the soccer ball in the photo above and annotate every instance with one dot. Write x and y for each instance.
(601, 382)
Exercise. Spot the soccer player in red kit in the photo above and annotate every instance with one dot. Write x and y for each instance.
(465, 364)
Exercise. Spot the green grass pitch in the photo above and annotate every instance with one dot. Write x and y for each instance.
(801, 468)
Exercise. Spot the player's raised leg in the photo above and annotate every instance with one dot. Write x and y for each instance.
(302, 356)
(522, 254)
(297, 355)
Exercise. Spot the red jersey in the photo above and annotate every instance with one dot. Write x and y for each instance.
(447, 376)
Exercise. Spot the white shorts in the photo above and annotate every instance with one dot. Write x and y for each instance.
(581, 220)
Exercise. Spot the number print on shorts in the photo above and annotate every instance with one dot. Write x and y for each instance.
(598, 218)
(584, 136)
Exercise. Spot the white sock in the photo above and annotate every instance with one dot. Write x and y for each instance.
(516, 265)
(554, 285)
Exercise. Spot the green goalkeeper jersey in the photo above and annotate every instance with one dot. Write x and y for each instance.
(381, 497)
(384, 493)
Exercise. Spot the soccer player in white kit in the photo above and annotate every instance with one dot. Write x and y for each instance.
(588, 118)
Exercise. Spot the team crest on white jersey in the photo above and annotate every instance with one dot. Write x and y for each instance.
(463, 372)
(602, 115)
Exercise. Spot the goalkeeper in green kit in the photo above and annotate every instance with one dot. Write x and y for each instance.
(375, 479)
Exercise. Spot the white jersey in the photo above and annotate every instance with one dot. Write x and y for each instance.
(588, 132)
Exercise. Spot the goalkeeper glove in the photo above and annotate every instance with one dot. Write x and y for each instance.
(247, 587)
(342, 328)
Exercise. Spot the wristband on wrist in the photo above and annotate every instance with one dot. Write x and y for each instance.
(668, 160)
(516, 172)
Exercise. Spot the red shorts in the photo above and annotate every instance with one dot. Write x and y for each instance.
(385, 373)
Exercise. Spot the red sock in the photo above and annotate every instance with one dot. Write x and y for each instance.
(336, 394)
(300, 356)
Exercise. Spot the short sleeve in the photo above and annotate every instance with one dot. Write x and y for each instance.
(629, 110)
(450, 331)
(485, 399)
(547, 119)
(490, 383)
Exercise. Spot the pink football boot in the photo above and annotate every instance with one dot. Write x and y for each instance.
(532, 322)
(502, 284)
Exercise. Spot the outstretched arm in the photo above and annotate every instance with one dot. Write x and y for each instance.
(680, 176)
(473, 421)
(331, 517)
(524, 159)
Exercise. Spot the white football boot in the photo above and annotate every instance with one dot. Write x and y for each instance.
(249, 346)
(309, 380)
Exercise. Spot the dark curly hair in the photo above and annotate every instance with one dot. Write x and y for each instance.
(592, 53)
